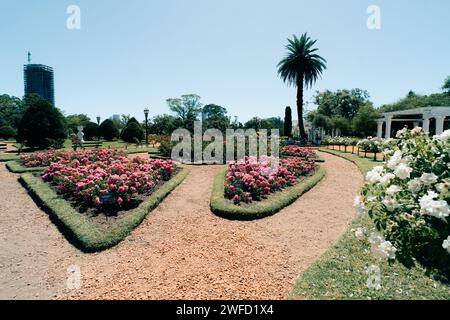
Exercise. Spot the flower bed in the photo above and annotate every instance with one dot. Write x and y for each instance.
(408, 199)
(249, 180)
(104, 179)
(297, 151)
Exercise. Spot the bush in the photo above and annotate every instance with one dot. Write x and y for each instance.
(133, 132)
(7, 132)
(42, 126)
(408, 199)
(91, 131)
(108, 130)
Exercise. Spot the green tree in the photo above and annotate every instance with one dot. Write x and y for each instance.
(7, 132)
(11, 110)
(344, 103)
(75, 120)
(446, 85)
(133, 132)
(91, 131)
(301, 68)
(215, 116)
(288, 122)
(108, 130)
(164, 124)
(187, 108)
(42, 126)
(364, 123)
(257, 124)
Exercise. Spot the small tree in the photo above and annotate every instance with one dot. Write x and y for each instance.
(446, 86)
(7, 132)
(42, 126)
(108, 130)
(91, 131)
(133, 132)
(288, 122)
(364, 123)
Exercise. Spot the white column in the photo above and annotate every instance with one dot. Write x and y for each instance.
(426, 124)
(439, 124)
(388, 126)
(380, 128)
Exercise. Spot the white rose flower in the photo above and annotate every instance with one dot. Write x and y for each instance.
(373, 177)
(446, 244)
(390, 203)
(393, 189)
(416, 131)
(375, 238)
(443, 187)
(360, 233)
(359, 206)
(431, 207)
(403, 171)
(414, 185)
(444, 136)
(428, 179)
(385, 250)
(386, 179)
(394, 160)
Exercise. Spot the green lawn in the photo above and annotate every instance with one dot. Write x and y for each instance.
(341, 272)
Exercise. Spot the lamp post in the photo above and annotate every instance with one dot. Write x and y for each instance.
(146, 126)
(98, 120)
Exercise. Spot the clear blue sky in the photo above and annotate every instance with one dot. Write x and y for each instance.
(132, 54)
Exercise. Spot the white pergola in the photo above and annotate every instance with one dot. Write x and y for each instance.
(426, 113)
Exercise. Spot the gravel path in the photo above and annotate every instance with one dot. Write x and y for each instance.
(181, 250)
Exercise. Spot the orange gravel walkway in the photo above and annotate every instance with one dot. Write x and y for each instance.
(181, 250)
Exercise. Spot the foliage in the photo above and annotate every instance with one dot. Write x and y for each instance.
(371, 144)
(251, 180)
(133, 132)
(364, 123)
(301, 68)
(108, 130)
(187, 108)
(11, 110)
(344, 103)
(446, 85)
(75, 120)
(288, 122)
(215, 117)
(42, 126)
(408, 199)
(164, 124)
(91, 131)
(105, 179)
(7, 132)
(418, 101)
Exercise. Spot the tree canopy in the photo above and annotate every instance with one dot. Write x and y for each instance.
(187, 108)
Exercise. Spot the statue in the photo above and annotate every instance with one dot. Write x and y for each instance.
(80, 134)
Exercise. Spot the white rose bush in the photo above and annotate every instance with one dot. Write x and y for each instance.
(407, 197)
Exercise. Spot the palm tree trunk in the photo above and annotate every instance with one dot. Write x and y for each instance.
(300, 109)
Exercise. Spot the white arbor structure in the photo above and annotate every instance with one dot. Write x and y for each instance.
(419, 117)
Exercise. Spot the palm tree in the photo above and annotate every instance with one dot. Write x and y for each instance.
(301, 68)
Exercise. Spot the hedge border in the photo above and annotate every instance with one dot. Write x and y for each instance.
(6, 157)
(77, 228)
(267, 207)
(16, 167)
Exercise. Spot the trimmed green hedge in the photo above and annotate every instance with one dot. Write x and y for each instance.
(77, 227)
(16, 167)
(5, 157)
(267, 207)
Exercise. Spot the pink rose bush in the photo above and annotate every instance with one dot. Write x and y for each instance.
(251, 180)
(297, 151)
(105, 179)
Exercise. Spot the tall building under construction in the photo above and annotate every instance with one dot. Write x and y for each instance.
(38, 79)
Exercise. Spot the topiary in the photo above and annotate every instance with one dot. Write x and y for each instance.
(91, 131)
(7, 132)
(42, 126)
(108, 130)
(133, 132)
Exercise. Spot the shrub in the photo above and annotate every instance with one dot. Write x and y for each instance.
(249, 180)
(408, 199)
(42, 126)
(106, 179)
(133, 132)
(108, 130)
(91, 131)
(296, 151)
(7, 132)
